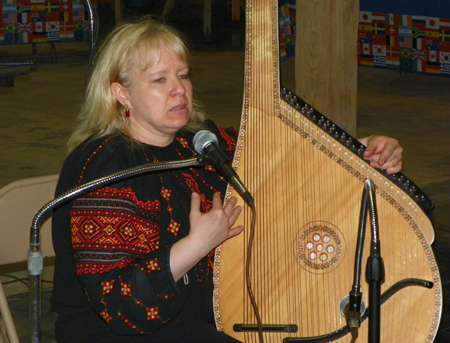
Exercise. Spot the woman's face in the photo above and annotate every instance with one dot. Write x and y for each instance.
(159, 99)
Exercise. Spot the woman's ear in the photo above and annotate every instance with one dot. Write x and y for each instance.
(120, 93)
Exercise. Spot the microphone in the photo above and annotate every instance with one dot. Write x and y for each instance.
(205, 142)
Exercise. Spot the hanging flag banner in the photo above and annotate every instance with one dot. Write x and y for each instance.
(409, 43)
(41, 21)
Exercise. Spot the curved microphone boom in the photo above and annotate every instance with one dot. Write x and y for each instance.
(35, 255)
(205, 142)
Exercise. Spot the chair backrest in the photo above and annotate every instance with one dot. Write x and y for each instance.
(19, 202)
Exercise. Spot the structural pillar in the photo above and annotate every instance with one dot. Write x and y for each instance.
(326, 60)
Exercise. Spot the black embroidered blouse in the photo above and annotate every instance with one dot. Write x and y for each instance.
(112, 245)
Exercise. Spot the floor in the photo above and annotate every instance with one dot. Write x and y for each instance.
(38, 113)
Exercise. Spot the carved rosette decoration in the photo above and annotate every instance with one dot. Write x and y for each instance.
(320, 247)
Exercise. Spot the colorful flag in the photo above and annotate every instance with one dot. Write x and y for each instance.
(419, 54)
(444, 34)
(444, 57)
(9, 14)
(405, 42)
(432, 56)
(392, 54)
(379, 61)
(419, 65)
(445, 69)
(432, 23)
(379, 50)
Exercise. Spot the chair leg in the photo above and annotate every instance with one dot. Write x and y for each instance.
(11, 332)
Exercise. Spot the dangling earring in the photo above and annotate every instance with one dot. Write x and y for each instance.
(127, 113)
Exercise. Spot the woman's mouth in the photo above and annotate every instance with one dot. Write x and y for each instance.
(178, 108)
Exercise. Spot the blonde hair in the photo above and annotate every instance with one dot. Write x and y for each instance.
(129, 48)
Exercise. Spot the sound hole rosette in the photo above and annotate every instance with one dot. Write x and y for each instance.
(320, 247)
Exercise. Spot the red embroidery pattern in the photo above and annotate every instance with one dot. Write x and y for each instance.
(166, 193)
(174, 227)
(131, 325)
(106, 316)
(166, 296)
(116, 222)
(80, 179)
(107, 287)
(202, 271)
(192, 184)
(125, 289)
(152, 313)
(153, 265)
(184, 143)
(231, 141)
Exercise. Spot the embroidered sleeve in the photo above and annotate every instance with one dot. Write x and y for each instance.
(122, 267)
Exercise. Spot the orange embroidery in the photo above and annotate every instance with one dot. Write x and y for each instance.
(106, 316)
(121, 225)
(165, 193)
(152, 313)
(174, 227)
(125, 289)
(184, 143)
(107, 287)
(153, 265)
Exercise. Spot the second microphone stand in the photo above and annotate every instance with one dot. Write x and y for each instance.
(374, 271)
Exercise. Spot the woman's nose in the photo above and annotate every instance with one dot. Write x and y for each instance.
(178, 87)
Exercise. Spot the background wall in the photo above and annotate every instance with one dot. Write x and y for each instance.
(430, 8)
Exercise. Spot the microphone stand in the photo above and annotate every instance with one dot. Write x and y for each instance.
(374, 271)
(375, 267)
(35, 256)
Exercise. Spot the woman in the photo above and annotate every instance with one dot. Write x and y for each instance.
(134, 259)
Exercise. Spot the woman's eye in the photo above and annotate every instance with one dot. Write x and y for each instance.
(184, 76)
(160, 80)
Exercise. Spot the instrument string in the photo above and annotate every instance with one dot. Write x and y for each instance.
(283, 246)
(292, 240)
(319, 193)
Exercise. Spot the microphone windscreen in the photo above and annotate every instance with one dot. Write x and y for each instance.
(202, 139)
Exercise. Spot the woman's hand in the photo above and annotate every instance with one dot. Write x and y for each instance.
(383, 153)
(213, 228)
(207, 231)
